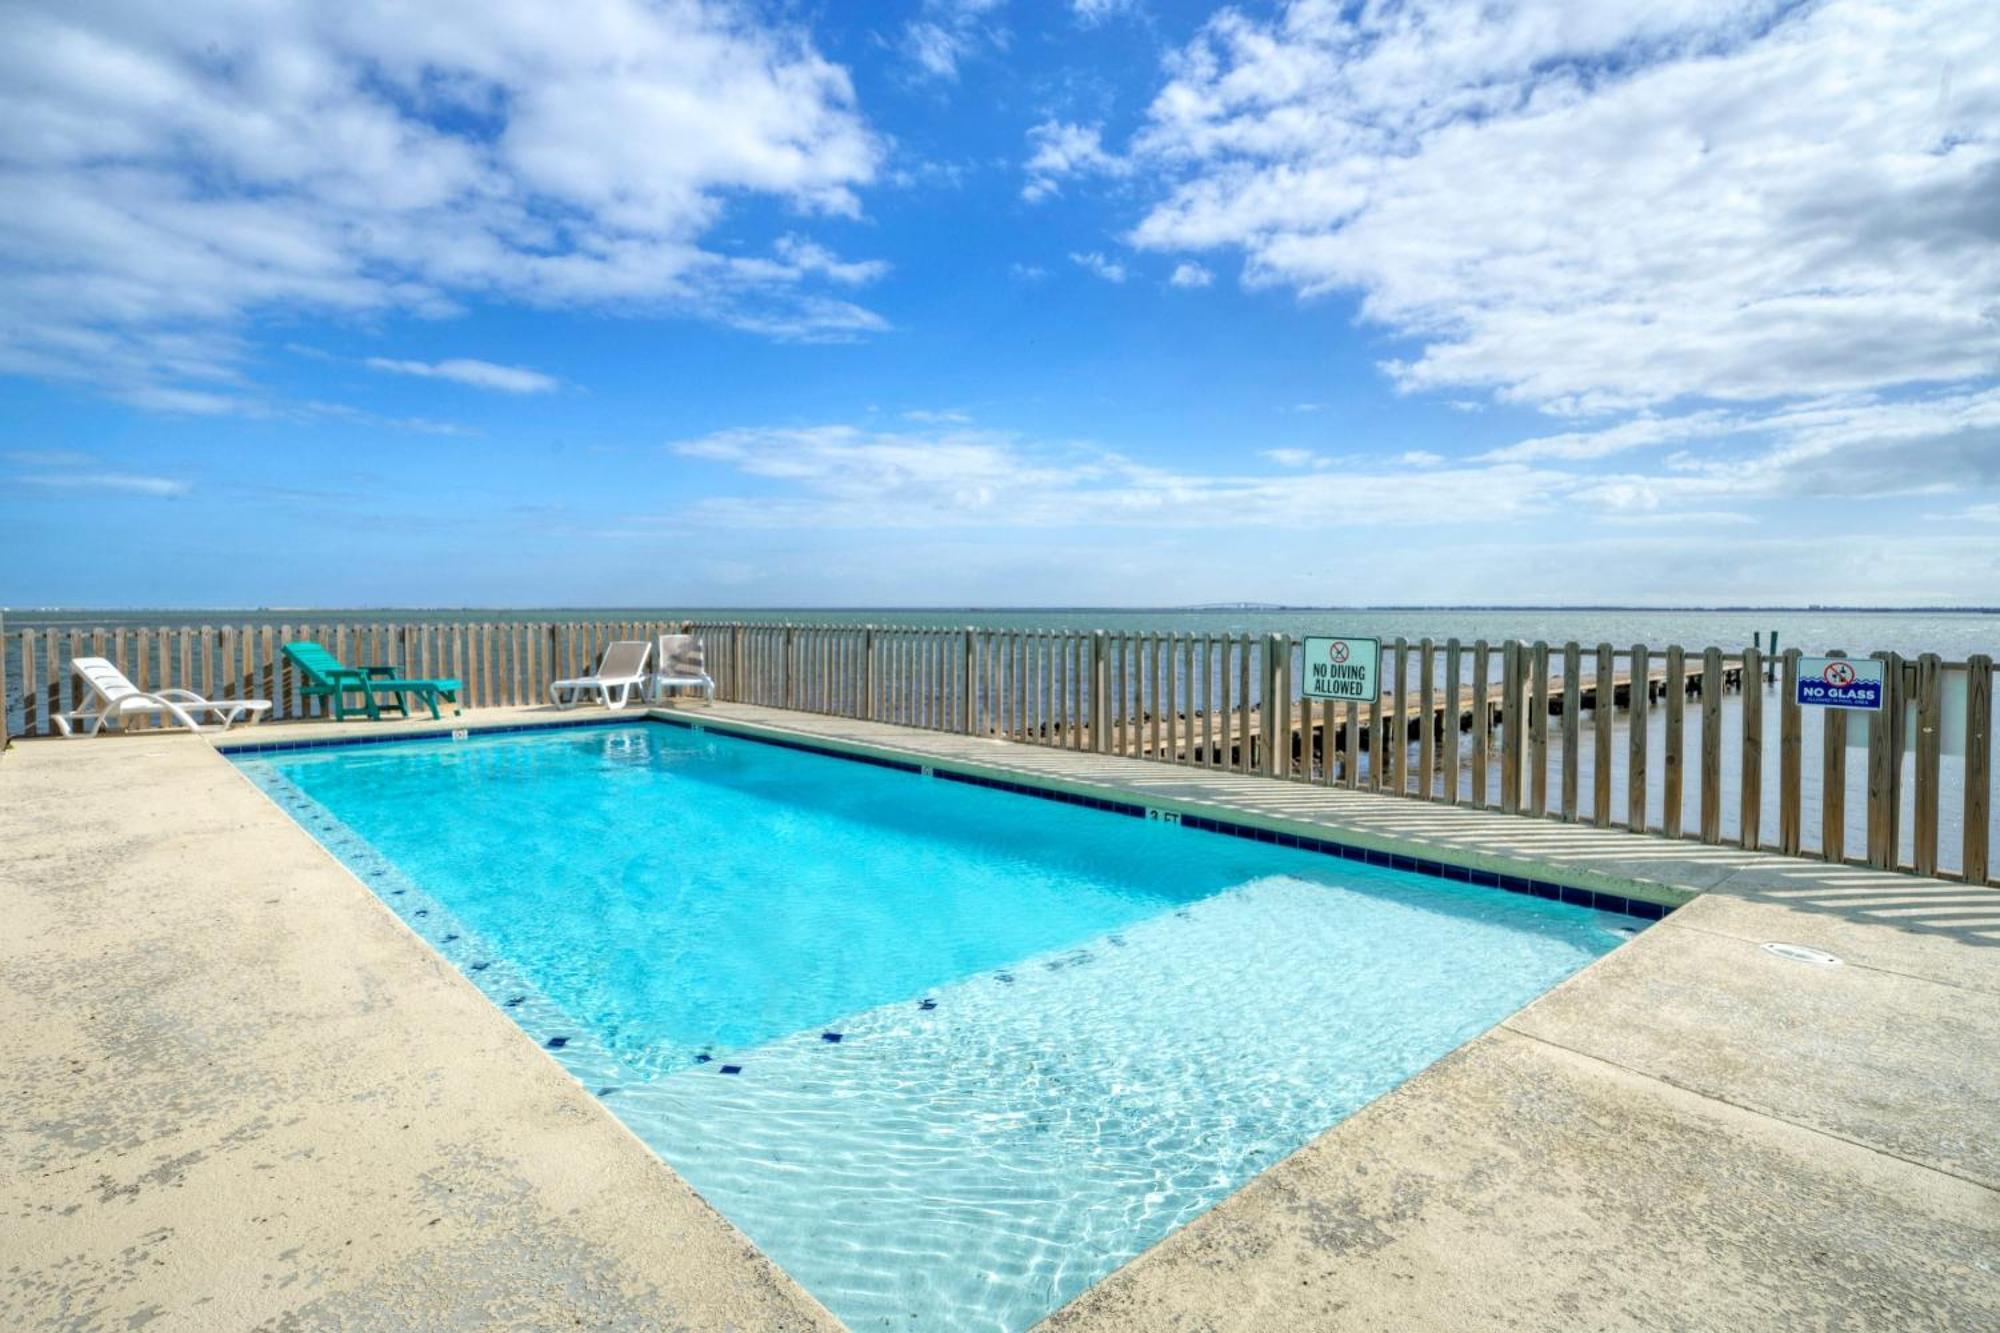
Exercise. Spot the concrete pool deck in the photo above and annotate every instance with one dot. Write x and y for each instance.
(239, 1093)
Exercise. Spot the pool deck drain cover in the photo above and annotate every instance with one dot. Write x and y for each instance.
(1799, 953)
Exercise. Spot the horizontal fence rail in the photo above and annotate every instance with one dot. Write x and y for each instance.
(1708, 745)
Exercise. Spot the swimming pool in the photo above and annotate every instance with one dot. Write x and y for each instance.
(948, 1055)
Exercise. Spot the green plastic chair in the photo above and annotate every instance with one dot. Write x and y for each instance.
(379, 686)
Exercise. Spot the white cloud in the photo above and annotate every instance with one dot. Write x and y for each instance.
(947, 477)
(1026, 272)
(1594, 207)
(1095, 261)
(948, 32)
(1064, 149)
(166, 175)
(70, 470)
(1191, 275)
(845, 477)
(479, 374)
(929, 417)
(806, 256)
(1092, 12)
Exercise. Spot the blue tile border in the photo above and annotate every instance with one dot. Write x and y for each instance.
(1535, 888)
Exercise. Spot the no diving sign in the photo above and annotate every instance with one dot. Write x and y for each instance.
(1340, 668)
(1840, 682)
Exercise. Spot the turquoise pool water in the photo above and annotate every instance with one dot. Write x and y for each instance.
(948, 1055)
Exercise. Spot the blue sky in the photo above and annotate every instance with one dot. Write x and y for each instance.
(991, 302)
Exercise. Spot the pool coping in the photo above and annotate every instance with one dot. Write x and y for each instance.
(1844, 1149)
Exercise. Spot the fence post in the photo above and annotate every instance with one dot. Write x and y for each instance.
(785, 672)
(1978, 764)
(1538, 731)
(1672, 790)
(1638, 702)
(1510, 727)
(6, 713)
(1267, 716)
(1885, 765)
(1606, 696)
(1448, 731)
(1833, 782)
(1791, 746)
(1930, 749)
(1711, 745)
(1427, 721)
(967, 683)
(1100, 689)
(1482, 720)
(1572, 706)
(1750, 819)
(1399, 753)
(868, 672)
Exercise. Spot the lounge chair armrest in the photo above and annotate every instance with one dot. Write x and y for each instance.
(376, 671)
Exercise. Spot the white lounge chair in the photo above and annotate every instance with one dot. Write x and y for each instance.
(117, 698)
(620, 671)
(681, 665)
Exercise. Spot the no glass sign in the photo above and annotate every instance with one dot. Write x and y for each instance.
(1341, 668)
(1840, 682)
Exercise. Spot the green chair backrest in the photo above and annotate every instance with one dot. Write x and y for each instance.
(317, 662)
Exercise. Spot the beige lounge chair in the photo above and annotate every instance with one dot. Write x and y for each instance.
(620, 672)
(680, 664)
(117, 698)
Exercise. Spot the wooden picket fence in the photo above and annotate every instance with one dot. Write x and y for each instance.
(1528, 729)
(1598, 735)
(500, 664)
